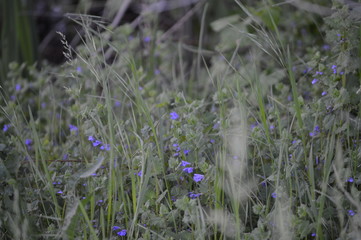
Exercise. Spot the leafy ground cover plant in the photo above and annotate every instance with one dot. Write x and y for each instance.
(257, 138)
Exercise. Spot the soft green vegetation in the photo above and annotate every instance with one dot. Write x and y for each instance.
(252, 134)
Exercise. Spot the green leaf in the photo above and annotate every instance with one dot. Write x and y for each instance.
(90, 170)
(221, 23)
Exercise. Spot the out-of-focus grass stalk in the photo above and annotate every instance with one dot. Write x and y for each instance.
(18, 38)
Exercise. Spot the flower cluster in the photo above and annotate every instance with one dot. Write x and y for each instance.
(174, 116)
(121, 232)
(196, 177)
(6, 127)
(194, 195)
(97, 143)
(73, 129)
(315, 131)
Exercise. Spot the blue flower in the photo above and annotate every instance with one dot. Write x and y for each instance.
(6, 127)
(350, 179)
(334, 68)
(198, 177)
(96, 143)
(316, 129)
(351, 213)
(185, 163)
(28, 142)
(156, 71)
(115, 228)
(194, 195)
(73, 128)
(313, 234)
(91, 138)
(274, 195)
(147, 39)
(314, 81)
(212, 141)
(186, 152)
(78, 69)
(216, 125)
(174, 116)
(105, 147)
(188, 170)
(18, 87)
(122, 233)
(117, 104)
(324, 93)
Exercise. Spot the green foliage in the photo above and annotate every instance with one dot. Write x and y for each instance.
(121, 139)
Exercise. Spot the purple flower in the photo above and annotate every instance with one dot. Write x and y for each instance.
(212, 141)
(194, 195)
(334, 68)
(188, 170)
(122, 233)
(319, 73)
(274, 195)
(18, 87)
(324, 93)
(43, 105)
(60, 192)
(91, 138)
(313, 234)
(326, 47)
(350, 179)
(73, 128)
(186, 152)
(308, 69)
(28, 142)
(156, 72)
(314, 81)
(6, 127)
(272, 127)
(115, 228)
(351, 213)
(185, 163)
(174, 115)
(105, 147)
(78, 69)
(198, 177)
(96, 143)
(216, 125)
(147, 39)
(317, 128)
(117, 104)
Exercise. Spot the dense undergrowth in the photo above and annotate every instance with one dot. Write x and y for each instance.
(137, 136)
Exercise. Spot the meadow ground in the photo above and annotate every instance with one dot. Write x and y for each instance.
(252, 133)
